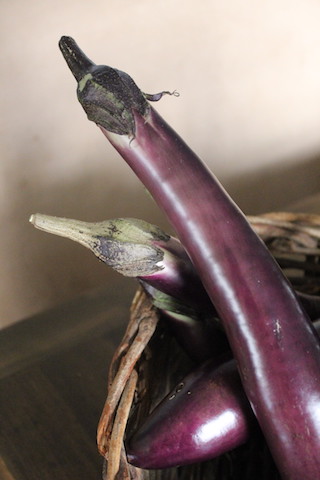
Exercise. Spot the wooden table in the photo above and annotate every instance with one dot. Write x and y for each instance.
(53, 371)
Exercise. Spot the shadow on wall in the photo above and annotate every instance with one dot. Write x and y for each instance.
(276, 188)
(45, 270)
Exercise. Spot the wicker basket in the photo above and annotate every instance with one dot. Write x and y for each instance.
(148, 363)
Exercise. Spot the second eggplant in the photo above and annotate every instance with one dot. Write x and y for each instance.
(207, 414)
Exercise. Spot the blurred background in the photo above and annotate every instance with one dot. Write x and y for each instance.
(248, 74)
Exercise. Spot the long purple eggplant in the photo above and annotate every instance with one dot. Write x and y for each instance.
(275, 346)
(205, 415)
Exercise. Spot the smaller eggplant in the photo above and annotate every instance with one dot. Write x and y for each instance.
(139, 249)
(205, 415)
(136, 248)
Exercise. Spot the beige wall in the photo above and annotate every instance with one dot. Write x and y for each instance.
(248, 74)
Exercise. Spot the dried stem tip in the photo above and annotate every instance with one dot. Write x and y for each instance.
(127, 245)
(77, 61)
(108, 96)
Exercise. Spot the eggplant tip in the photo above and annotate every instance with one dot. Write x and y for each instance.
(38, 219)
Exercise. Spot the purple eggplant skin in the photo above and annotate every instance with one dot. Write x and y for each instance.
(206, 415)
(201, 339)
(273, 341)
(178, 278)
(200, 335)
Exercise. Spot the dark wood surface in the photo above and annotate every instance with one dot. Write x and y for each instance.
(53, 372)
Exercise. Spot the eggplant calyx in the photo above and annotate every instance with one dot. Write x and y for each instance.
(126, 245)
(107, 95)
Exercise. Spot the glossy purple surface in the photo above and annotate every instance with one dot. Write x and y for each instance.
(207, 414)
(271, 337)
(178, 277)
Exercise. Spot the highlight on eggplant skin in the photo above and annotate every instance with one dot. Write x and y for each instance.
(206, 415)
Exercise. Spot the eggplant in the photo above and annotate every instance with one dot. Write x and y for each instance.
(275, 346)
(205, 415)
(200, 335)
(137, 248)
